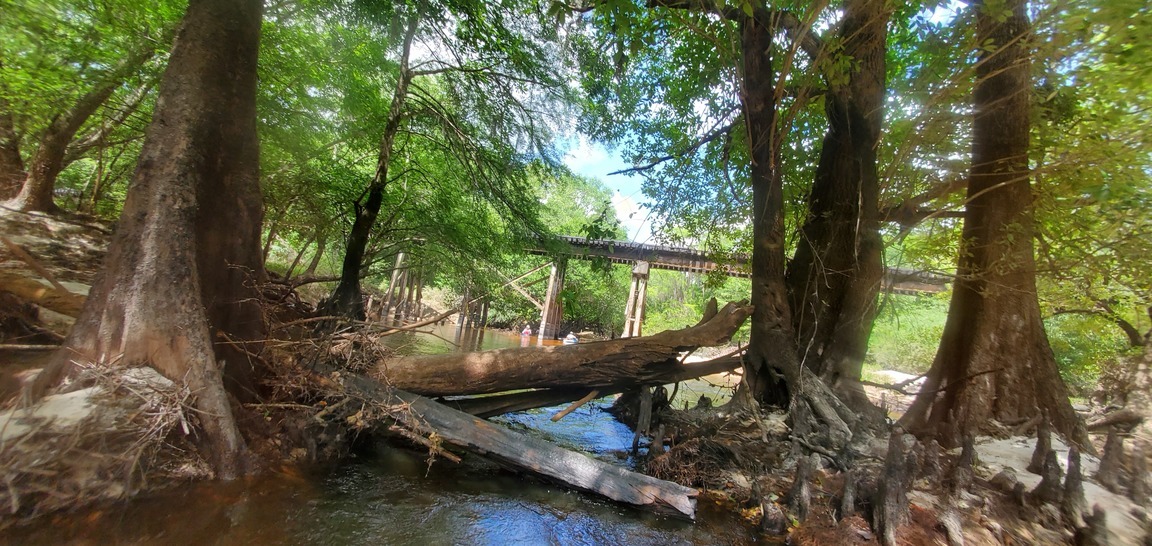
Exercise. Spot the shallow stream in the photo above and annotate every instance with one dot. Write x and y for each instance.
(386, 495)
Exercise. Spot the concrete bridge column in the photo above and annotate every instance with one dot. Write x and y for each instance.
(637, 292)
(553, 309)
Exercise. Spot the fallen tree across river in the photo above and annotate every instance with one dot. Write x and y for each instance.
(564, 373)
(499, 404)
(627, 361)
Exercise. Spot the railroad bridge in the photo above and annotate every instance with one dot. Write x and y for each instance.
(642, 257)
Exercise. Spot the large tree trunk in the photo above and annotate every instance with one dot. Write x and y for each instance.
(771, 355)
(835, 276)
(490, 405)
(48, 160)
(591, 365)
(11, 163)
(347, 299)
(178, 291)
(321, 242)
(994, 361)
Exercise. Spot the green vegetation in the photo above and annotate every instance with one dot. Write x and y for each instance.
(907, 332)
(474, 177)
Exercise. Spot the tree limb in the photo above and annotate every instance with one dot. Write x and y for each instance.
(810, 43)
(723, 131)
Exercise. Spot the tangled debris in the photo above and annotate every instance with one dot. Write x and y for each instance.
(109, 434)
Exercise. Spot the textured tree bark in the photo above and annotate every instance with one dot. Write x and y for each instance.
(771, 359)
(835, 275)
(890, 505)
(1073, 505)
(772, 371)
(11, 162)
(1140, 402)
(526, 453)
(178, 289)
(994, 361)
(321, 243)
(488, 406)
(585, 365)
(1109, 473)
(347, 300)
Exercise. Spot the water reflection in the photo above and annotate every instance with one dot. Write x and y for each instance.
(388, 495)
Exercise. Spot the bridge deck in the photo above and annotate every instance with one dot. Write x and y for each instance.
(690, 260)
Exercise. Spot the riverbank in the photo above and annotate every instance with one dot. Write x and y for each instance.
(743, 461)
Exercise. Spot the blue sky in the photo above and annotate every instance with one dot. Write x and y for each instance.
(595, 161)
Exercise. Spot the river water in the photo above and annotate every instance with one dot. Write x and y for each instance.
(388, 495)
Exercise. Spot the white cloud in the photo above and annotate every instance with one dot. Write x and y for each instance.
(633, 216)
(593, 160)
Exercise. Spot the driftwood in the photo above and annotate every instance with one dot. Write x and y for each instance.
(589, 365)
(488, 406)
(571, 408)
(523, 452)
(61, 301)
(644, 420)
(1126, 417)
(35, 265)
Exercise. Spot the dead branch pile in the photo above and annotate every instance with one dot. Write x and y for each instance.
(700, 462)
(105, 437)
(314, 416)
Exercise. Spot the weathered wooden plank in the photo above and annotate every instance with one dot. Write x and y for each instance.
(527, 453)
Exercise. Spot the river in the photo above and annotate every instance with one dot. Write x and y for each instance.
(387, 495)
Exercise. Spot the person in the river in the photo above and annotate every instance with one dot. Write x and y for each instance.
(571, 339)
(527, 330)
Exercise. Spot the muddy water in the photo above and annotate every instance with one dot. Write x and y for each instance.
(386, 495)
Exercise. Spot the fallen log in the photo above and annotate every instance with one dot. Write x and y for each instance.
(489, 406)
(523, 452)
(31, 290)
(640, 360)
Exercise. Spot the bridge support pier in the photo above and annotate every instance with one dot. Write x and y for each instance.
(409, 284)
(391, 298)
(634, 310)
(553, 308)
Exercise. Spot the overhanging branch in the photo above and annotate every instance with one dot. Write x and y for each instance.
(712, 135)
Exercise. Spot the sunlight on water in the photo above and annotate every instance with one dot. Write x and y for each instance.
(389, 496)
